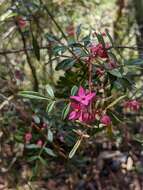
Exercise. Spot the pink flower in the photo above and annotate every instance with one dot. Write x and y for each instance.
(103, 33)
(88, 117)
(106, 120)
(22, 23)
(133, 105)
(81, 113)
(98, 51)
(83, 97)
(44, 125)
(39, 143)
(76, 111)
(70, 30)
(28, 137)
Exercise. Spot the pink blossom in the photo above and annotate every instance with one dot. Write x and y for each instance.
(76, 111)
(22, 23)
(133, 105)
(44, 125)
(28, 137)
(83, 97)
(39, 143)
(70, 30)
(103, 33)
(106, 120)
(98, 51)
(81, 113)
(88, 117)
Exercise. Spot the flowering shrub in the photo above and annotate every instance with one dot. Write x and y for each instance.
(94, 91)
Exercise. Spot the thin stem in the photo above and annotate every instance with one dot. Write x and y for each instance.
(14, 51)
(33, 70)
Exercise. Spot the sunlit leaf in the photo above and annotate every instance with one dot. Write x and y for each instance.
(74, 90)
(116, 72)
(50, 135)
(50, 106)
(116, 101)
(50, 91)
(74, 149)
(66, 111)
(65, 64)
(32, 95)
(49, 152)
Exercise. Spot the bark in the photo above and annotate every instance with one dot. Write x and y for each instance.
(138, 5)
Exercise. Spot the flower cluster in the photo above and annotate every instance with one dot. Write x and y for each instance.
(80, 106)
(98, 51)
(22, 23)
(101, 51)
(105, 119)
(28, 137)
(132, 105)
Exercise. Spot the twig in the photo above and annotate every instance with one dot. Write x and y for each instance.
(6, 101)
(33, 70)
(14, 51)
(127, 47)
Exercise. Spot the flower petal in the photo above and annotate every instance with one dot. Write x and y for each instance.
(72, 115)
(85, 102)
(81, 92)
(77, 98)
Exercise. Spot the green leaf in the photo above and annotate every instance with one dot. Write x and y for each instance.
(138, 138)
(116, 118)
(86, 40)
(36, 119)
(51, 37)
(32, 146)
(115, 72)
(50, 136)
(78, 31)
(49, 152)
(74, 149)
(33, 158)
(74, 90)
(32, 95)
(116, 101)
(7, 15)
(50, 91)
(109, 36)
(50, 106)
(36, 47)
(66, 111)
(42, 160)
(100, 39)
(138, 62)
(65, 64)
(59, 49)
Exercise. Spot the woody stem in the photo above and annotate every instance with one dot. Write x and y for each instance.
(90, 81)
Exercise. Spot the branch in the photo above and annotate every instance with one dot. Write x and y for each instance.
(14, 51)
(128, 47)
(6, 101)
(33, 70)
